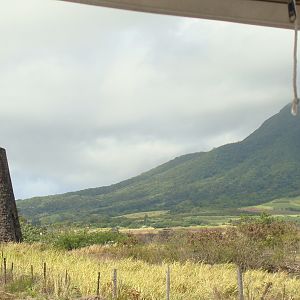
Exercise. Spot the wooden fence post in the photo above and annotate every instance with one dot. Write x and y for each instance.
(31, 271)
(115, 284)
(98, 285)
(45, 274)
(4, 269)
(66, 277)
(168, 283)
(240, 282)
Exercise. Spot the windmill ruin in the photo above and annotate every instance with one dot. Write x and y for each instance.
(10, 230)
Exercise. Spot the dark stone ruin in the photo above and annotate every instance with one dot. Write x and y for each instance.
(10, 230)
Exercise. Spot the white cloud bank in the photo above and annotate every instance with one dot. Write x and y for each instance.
(91, 96)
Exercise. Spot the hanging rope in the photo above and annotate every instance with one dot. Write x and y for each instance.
(293, 18)
(296, 99)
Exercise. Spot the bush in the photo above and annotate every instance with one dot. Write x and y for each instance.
(272, 243)
(264, 242)
(74, 240)
(30, 232)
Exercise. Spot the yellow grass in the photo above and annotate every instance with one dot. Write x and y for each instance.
(189, 281)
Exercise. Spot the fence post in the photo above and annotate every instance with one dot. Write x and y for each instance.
(115, 284)
(4, 269)
(168, 283)
(66, 277)
(31, 271)
(12, 271)
(45, 274)
(98, 285)
(240, 282)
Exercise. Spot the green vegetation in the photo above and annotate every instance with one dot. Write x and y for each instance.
(70, 239)
(263, 167)
(146, 214)
(282, 206)
(202, 262)
(286, 208)
(253, 242)
(20, 285)
(73, 240)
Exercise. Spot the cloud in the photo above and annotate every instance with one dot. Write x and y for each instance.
(91, 96)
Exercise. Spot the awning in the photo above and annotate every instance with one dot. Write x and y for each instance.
(257, 12)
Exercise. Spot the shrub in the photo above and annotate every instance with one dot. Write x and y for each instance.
(30, 232)
(266, 243)
(271, 243)
(74, 240)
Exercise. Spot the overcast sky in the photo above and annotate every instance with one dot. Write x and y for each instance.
(91, 96)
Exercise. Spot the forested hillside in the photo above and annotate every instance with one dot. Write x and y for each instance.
(262, 167)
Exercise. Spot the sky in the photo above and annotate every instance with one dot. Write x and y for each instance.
(90, 96)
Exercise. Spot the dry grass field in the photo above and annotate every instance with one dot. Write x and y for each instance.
(136, 279)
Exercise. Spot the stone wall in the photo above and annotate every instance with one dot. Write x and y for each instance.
(10, 230)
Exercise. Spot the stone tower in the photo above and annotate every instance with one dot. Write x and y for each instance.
(10, 230)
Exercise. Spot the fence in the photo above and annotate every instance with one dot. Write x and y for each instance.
(7, 274)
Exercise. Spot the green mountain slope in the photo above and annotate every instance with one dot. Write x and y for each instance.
(263, 167)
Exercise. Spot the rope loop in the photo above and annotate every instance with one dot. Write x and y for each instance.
(293, 18)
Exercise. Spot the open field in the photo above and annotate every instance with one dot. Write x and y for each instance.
(282, 206)
(161, 219)
(286, 208)
(137, 279)
(142, 215)
(203, 262)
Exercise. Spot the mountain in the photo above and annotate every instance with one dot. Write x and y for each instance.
(262, 167)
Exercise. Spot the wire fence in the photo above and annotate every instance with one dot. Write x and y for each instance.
(63, 283)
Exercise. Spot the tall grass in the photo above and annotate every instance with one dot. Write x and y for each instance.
(137, 279)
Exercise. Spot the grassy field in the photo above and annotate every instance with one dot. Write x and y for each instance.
(287, 208)
(155, 218)
(282, 206)
(137, 279)
(149, 214)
